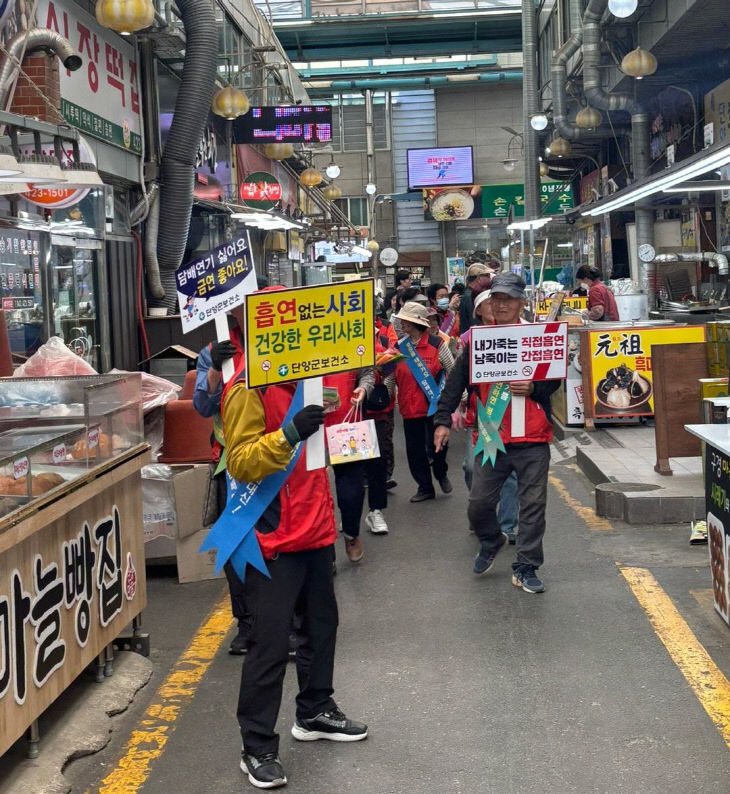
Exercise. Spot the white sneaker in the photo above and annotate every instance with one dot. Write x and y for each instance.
(376, 522)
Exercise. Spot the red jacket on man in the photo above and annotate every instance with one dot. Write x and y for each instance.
(301, 516)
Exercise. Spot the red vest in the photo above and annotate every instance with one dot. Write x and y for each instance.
(412, 402)
(537, 426)
(303, 511)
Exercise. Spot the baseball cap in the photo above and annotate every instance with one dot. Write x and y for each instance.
(509, 284)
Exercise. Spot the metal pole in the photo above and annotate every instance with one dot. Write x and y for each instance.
(370, 158)
(529, 106)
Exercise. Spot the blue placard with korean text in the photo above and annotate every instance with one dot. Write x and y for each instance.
(215, 283)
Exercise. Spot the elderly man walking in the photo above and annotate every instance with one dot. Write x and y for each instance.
(528, 455)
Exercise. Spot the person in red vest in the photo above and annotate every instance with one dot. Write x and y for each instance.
(418, 378)
(601, 302)
(296, 534)
(528, 456)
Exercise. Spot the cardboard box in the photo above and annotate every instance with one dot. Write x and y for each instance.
(190, 487)
(194, 565)
(713, 387)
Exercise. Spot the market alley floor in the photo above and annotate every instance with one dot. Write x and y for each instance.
(469, 685)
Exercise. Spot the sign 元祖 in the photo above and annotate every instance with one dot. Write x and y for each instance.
(284, 124)
(102, 97)
(438, 167)
(215, 283)
(620, 369)
(307, 332)
(528, 351)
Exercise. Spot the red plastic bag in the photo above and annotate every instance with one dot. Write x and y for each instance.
(52, 360)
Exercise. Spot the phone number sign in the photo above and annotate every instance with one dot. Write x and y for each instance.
(307, 332)
(529, 351)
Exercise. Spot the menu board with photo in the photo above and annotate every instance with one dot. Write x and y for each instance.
(20, 288)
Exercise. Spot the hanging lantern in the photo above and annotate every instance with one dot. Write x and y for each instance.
(639, 63)
(544, 170)
(310, 177)
(230, 103)
(278, 151)
(125, 16)
(588, 118)
(372, 245)
(331, 192)
(560, 147)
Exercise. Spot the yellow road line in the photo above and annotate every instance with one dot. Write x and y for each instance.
(706, 679)
(149, 738)
(588, 514)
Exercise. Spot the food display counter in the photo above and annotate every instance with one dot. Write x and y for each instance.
(716, 466)
(71, 539)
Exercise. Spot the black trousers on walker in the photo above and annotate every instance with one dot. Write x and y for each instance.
(302, 579)
(420, 450)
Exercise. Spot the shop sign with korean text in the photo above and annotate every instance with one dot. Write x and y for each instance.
(67, 590)
(620, 369)
(543, 307)
(215, 283)
(102, 97)
(555, 197)
(528, 351)
(717, 504)
(261, 190)
(307, 332)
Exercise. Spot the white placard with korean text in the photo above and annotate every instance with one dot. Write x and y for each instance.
(102, 97)
(531, 351)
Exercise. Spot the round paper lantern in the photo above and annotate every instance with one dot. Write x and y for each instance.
(639, 63)
(560, 147)
(588, 118)
(310, 177)
(331, 192)
(372, 245)
(278, 151)
(544, 170)
(230, 103)
(125, 16)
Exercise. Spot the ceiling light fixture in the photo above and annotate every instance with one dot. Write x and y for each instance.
(538, 121)
(622, 8)
(371, 189)
(509, 164)
(333, 170)
(537, 223)
(699, 186)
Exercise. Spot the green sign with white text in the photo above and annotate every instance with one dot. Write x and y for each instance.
(555, 197)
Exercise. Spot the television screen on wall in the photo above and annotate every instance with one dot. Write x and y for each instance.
(293, 124)
(453, 165)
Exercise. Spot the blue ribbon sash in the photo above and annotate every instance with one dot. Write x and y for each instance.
(422, 374)
(233, 533)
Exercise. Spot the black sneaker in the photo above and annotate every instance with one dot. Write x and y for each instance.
(264, 771)
(445, 484)
(528, 580)
(484, 561)
(293, 645)
(239, 644)
(390, 485)
(422, 496)
(332, 725)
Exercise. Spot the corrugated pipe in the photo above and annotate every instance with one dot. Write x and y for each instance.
(711, 257)
(417, 82)
(529, 106)
(32, 40)
(191, 115)
(152, 265)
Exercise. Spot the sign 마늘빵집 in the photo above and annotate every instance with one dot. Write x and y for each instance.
(621, 373)
(307, 332)
(528, 351)
(215, 283)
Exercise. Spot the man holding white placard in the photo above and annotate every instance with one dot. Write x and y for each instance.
(504, 445)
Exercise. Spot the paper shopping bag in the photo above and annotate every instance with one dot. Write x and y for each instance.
(352, 440)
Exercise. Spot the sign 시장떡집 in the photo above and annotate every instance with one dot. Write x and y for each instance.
(621, 372)
(215, 283)
(307, 332)
(525, 351)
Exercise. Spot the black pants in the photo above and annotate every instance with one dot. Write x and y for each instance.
(235, 585)
(376, 470)
(304, 579)
(385, 428)
(420, 450)
(350, 490)
(531, 463)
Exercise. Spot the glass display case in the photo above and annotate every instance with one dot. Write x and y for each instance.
(54, 431)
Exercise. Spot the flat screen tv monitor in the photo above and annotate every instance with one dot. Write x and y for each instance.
(440, 167)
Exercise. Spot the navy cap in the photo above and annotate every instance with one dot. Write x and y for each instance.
(509, 284)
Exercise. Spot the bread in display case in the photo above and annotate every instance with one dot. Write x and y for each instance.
(54, 431)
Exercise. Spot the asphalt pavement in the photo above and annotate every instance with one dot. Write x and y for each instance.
(468, 685)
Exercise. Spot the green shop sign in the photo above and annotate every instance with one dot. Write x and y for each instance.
(556, 197)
